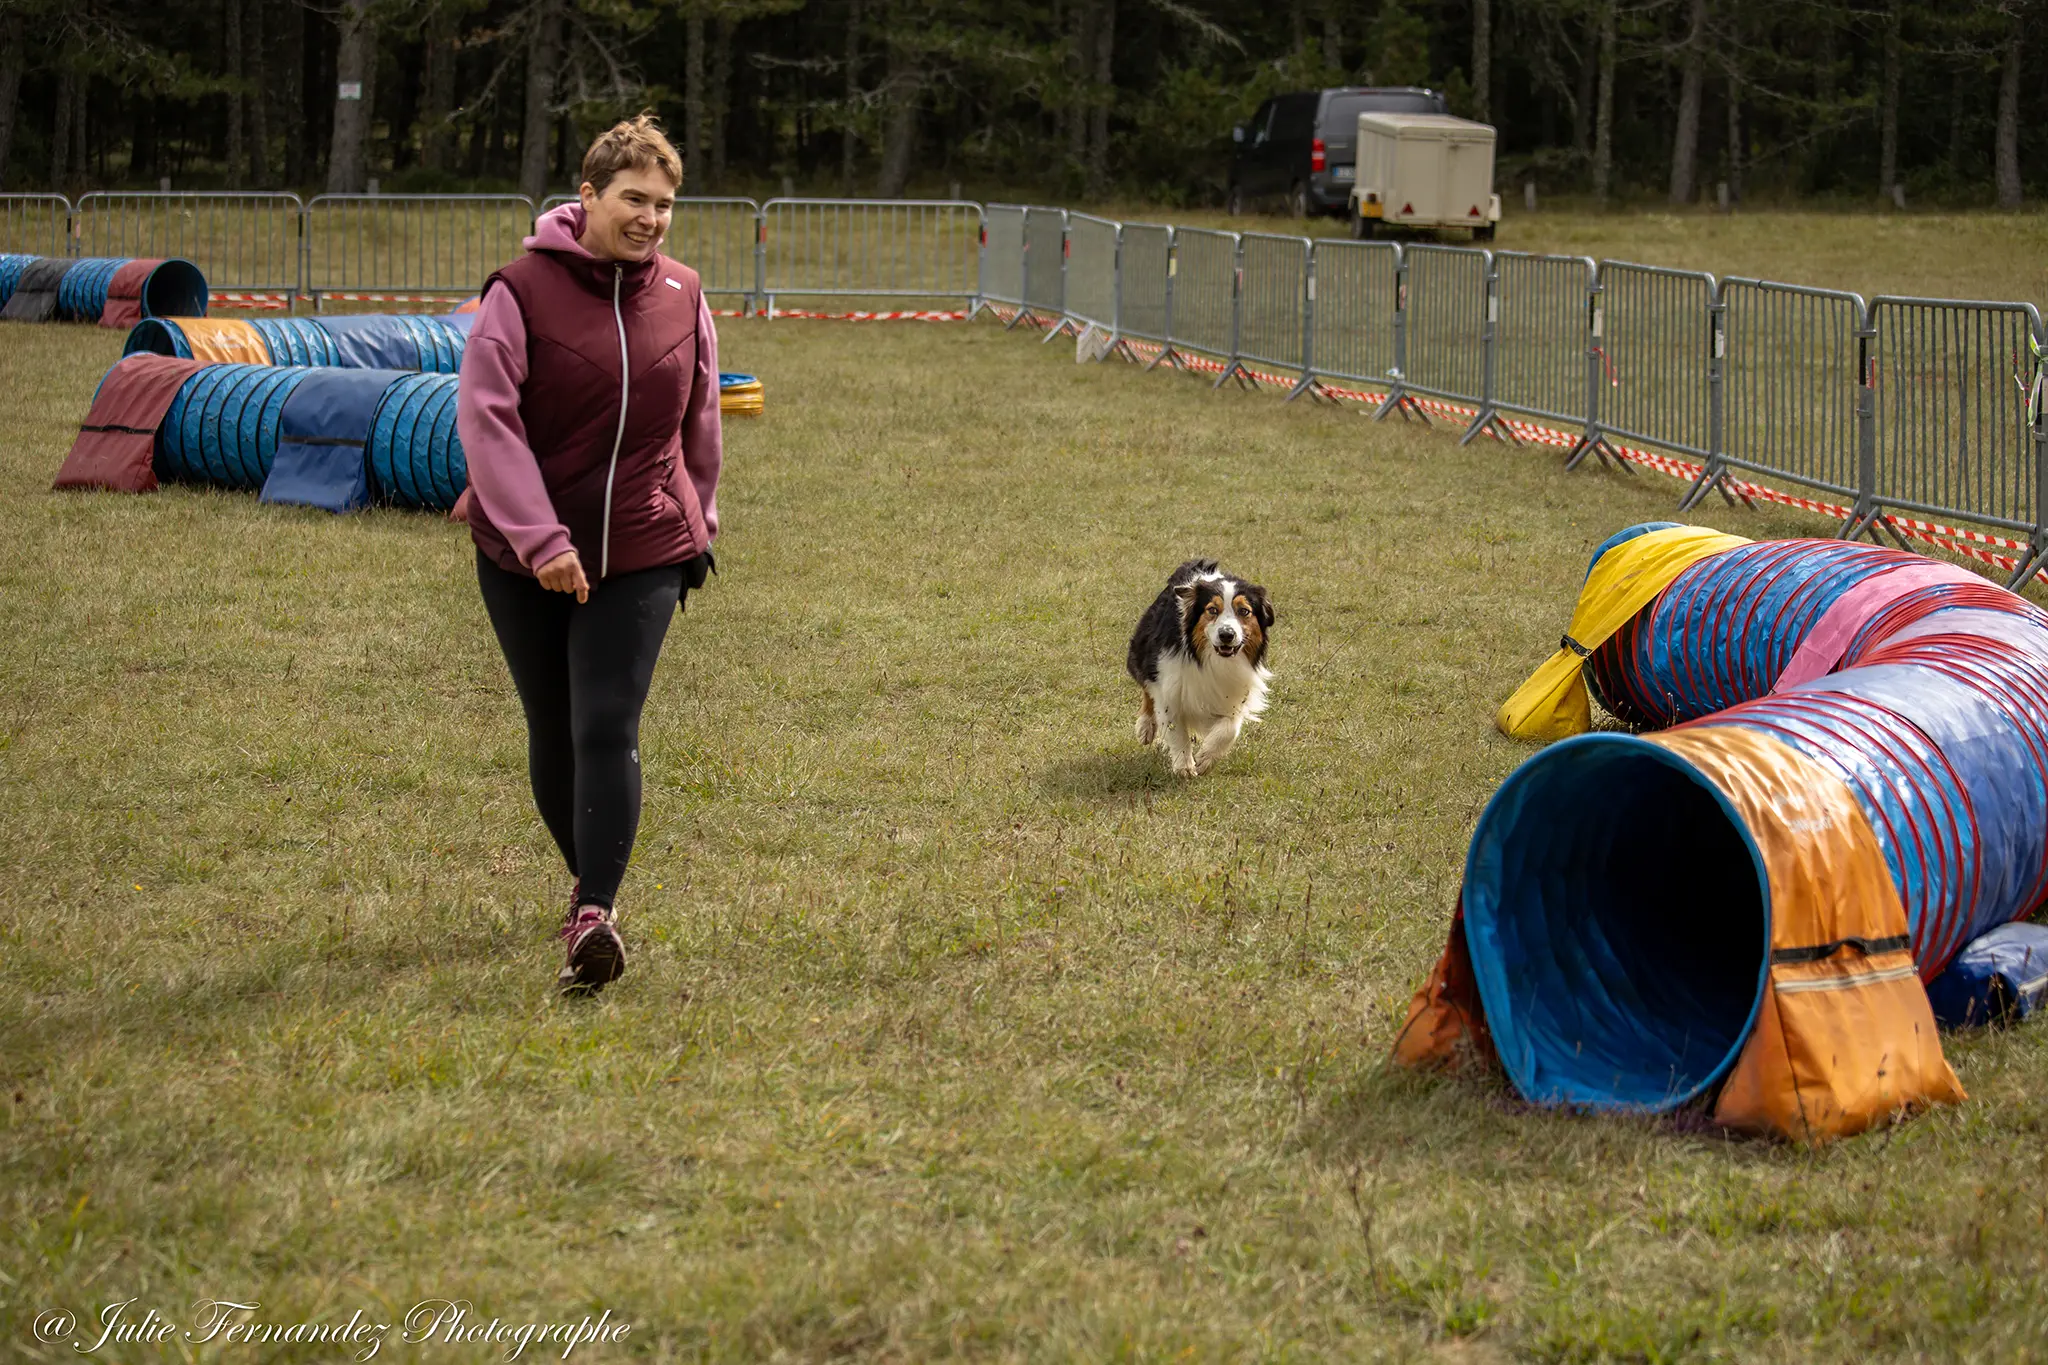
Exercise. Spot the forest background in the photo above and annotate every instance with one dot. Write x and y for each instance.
(1880, 102)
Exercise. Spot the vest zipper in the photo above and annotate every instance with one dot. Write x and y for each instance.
(604, 554)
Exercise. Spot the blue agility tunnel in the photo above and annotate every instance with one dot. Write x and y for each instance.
(223, 425)
(323, 439)
(333, 438)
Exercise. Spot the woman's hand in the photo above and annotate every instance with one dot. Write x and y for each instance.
(564, 573)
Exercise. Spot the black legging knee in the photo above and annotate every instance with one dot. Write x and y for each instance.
(582, 672)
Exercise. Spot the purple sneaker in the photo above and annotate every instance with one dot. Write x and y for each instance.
(596, 955)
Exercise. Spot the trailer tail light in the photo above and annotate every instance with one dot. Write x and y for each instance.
(1318, 156)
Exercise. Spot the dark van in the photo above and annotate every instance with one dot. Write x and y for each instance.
(1300, 146)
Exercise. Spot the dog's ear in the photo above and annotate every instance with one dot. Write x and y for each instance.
(1184, 593)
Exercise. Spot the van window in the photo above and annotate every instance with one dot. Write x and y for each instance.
(1256, 130)
(1294, 118)
(1341, 114)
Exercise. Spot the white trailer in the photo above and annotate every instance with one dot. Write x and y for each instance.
(1427, 171)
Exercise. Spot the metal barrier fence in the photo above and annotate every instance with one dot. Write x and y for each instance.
(242, 242)
(1959, 410)
(880, 249)
(1931, 406)
(1273, 293)
(1092, 247)
(1002, 254)
(1791, 381)
(1444, 302)
(1357, 292)
(1205, 312)
(1660, 341)
(425, 243)
(1544, 363)
(1045, 263)
(1145, 282)
(35, 225)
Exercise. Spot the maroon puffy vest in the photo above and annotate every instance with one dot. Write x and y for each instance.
(570, 405)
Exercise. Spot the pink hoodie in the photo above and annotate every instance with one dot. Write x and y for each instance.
(503, 474)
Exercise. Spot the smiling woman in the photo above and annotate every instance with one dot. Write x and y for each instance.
(589, 415)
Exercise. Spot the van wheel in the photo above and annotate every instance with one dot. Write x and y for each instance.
(1364, 228)
(1297, 200)
(1233, 202)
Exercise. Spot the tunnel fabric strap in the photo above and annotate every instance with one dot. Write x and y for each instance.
(227, 341)
(1843, 1040)
(1553, 703)
(1866, 946)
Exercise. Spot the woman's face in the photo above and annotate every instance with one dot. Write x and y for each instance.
(628, 221)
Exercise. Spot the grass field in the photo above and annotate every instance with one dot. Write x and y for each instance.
(955, 1027)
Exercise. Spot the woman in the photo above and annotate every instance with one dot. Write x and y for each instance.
(589, 416)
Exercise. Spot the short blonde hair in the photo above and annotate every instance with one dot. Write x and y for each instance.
(636, 144)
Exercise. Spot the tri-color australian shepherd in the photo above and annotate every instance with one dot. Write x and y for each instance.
(1199, 655)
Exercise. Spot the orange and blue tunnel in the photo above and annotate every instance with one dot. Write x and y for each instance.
(1836, 783)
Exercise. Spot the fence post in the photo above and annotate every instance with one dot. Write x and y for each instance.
(2037, 426)
(1714, 473)
(1167, 355)
(1117, 344)
(1308, 383)
(1593, 441)
(1234, 368)
(1488, 418)
(1398, 398)
(1866, 510)
(762, 304)
(1066, 322)
(980, 265)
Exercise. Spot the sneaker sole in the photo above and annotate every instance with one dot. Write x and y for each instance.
(597, 960)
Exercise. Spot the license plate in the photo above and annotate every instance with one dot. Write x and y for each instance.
(1343, 173)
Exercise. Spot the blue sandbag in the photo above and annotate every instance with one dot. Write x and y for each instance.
(223, 426)
(373, 341)
(2000, 978)
(325, 429)
(415, 455)
(297, 341)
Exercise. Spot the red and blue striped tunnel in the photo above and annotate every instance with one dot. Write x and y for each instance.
(1617, 908)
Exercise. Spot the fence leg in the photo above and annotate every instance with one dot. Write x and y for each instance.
(2037, 422)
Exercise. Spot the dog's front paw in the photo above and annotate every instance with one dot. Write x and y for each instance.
(1147, 727)
(1187, 766)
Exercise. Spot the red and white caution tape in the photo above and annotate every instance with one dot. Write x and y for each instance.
(249, 300)
(905, 315)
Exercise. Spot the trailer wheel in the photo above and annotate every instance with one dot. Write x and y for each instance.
(1297, 200)
(1363, 228)
(1484, 234)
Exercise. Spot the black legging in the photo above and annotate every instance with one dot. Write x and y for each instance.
(582, 671)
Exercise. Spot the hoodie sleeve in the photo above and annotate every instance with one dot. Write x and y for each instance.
(502, 469)
(703, 436)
